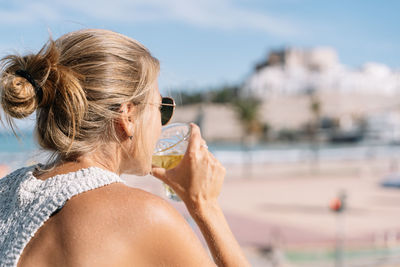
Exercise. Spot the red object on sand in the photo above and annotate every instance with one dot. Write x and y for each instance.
(336, 204)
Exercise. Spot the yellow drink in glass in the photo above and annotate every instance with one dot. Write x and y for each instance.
(170, 149)
(168, 162)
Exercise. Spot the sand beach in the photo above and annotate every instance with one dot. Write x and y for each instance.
(277, 210)
(278, 207)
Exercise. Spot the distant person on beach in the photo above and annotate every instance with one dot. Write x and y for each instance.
(99, 111)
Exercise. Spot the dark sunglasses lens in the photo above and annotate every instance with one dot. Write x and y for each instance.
(166, 110)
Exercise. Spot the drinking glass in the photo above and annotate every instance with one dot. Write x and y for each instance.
(170, 148)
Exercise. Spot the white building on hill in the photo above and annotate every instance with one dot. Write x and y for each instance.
(283, 80)
(294, 71)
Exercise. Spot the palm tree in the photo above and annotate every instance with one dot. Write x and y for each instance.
(248, 113)
(247, 110)
(315, 109)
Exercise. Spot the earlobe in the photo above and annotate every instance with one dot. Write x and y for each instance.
(126, 121)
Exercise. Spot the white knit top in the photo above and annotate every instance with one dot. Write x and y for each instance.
(27, 202)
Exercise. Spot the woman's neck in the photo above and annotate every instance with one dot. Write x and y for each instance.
(94, 159)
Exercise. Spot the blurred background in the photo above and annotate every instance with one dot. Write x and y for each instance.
(299, 99)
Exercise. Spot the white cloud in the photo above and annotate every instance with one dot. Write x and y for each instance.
(216, 14)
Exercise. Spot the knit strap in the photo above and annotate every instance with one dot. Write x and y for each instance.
(26, 203)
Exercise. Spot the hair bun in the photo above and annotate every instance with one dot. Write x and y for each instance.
(29, 78)
(28, 82)
(18, 96)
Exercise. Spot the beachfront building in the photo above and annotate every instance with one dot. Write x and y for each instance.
(352, 103)
(289, 79)
(296, 71)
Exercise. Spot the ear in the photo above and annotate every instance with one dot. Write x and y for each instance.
(126, 120)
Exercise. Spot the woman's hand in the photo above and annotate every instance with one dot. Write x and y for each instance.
(198, 177)
(198, 180)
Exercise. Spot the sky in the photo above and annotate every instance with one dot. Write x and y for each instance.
(203, 44)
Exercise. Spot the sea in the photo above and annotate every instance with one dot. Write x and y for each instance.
(24, 151)
(18, 152)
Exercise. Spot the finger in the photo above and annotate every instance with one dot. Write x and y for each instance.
(159, 173)
(211, 155)
(213, 159)
(217, 163)
(203, 144)
(195, 138)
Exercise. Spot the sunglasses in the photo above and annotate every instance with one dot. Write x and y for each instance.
(167, 108)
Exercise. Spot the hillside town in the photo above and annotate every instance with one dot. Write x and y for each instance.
(308, 93)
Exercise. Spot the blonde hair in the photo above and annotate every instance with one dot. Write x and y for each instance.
(84, 77)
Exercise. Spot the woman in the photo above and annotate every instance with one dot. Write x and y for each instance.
(98, 109)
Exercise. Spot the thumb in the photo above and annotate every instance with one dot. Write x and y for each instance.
(159, 173)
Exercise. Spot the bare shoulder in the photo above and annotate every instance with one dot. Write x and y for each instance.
(127, 225)
(115, 204)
